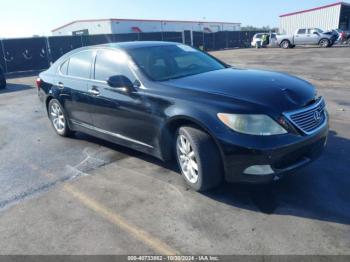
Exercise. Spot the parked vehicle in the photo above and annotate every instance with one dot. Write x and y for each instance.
(344, 36)
(2, 79)
(170, 100)
(306, 36)
(257, 40)
(334, 35)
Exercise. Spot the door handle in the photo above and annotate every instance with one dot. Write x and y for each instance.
(60, 85)
(94, 91)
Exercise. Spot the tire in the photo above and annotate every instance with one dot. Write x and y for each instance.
(324, 43)
(285, 44)
(292, 46)
(204, 166)
(58, 118)
(2, 81)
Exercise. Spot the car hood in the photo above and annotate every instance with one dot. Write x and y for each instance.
(270, 89)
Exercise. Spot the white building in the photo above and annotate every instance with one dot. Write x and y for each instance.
(118, 26)
(326, 17)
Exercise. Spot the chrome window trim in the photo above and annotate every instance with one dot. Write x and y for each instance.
(111, 133)
(305, 109)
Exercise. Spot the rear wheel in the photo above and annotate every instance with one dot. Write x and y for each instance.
(324, 43)
(198, 158)
(285, 44)
(58, 118)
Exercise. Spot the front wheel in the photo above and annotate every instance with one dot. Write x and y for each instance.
(324, 43)
(58, 118)
(198, 158)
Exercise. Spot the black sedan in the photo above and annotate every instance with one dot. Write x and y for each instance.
(170, 100)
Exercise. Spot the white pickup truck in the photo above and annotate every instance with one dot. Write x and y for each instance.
(306, 36)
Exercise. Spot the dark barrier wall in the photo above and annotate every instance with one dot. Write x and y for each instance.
(222, 40)
(60, 45)
(172, 37)
(37, 53)
(2, 61)
(25, 54)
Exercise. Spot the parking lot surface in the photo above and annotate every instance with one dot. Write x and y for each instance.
(82, 195)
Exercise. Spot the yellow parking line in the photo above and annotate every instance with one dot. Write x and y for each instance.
(138, 233)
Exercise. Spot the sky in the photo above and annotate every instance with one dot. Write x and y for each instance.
(23, 18)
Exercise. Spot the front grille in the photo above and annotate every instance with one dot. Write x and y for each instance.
(311, 118)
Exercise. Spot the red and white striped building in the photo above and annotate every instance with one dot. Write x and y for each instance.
(119, 26)
(328, 17)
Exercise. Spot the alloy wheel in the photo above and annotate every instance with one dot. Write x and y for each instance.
(187, 159)
(324, 43)
(57, 117)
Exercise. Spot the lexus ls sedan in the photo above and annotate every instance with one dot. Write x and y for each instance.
(171, 100)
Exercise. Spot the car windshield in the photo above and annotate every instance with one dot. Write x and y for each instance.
(161, 63)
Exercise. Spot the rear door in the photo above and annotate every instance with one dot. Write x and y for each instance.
(73, 79)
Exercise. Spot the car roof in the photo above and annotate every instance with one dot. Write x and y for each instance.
(118, 45)
(137, 44)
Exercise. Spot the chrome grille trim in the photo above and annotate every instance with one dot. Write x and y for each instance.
(306, 120)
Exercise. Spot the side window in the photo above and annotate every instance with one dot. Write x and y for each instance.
(64, 67)
(301, 31)
(80, 64)
(109, 63)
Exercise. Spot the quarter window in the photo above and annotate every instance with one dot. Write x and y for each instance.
(109, 63)
(301, 31)
(80, 64)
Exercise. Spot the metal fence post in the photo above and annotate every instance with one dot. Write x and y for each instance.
(48, 51)
(3, 55)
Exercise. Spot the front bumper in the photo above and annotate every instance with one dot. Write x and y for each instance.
(284, 154)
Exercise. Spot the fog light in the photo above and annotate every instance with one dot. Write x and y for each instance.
(259, 170)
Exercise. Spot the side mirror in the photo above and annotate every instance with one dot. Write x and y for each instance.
(315, 33)
(120, 81)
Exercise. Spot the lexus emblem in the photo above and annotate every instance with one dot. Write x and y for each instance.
(317, 116)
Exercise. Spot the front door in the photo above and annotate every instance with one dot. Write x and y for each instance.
(116, 112)
(314, 37)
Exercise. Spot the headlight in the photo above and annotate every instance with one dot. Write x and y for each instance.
(261, 125)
